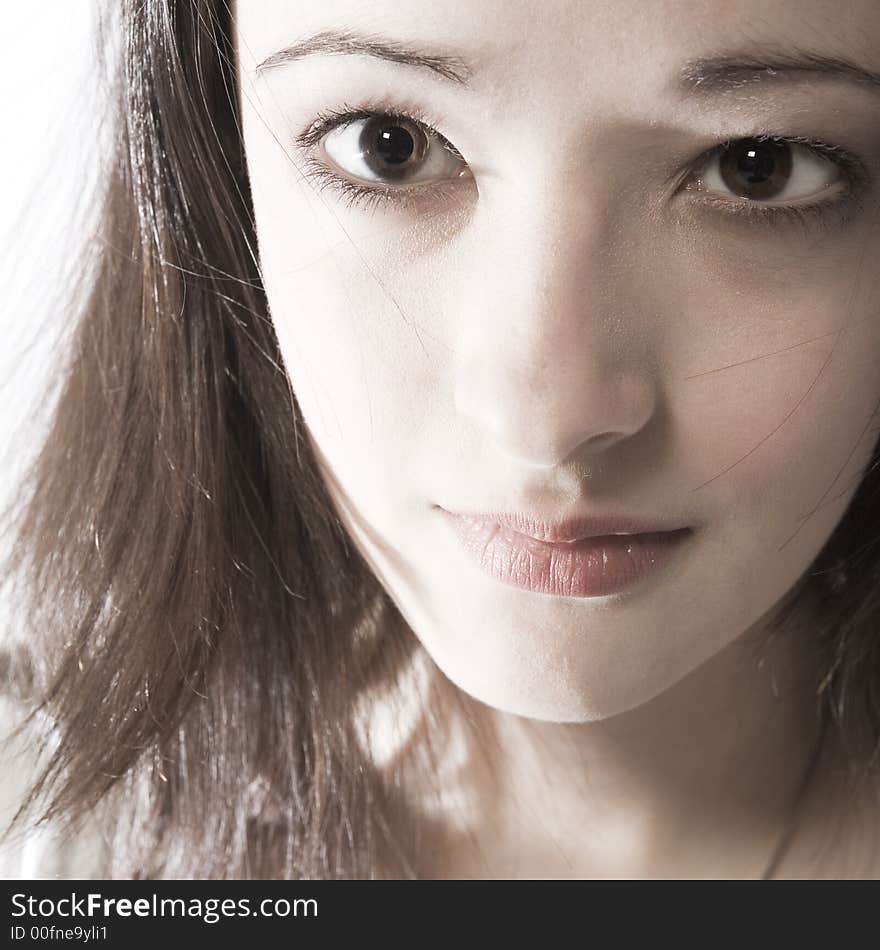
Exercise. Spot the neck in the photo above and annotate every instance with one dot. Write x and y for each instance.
(699, 782)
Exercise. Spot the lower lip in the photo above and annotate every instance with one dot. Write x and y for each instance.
(593, 567)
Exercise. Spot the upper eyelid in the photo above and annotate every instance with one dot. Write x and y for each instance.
(849, 162)
(823, 148)
(332, 119)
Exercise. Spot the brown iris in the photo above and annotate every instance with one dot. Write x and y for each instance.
(756, 168)
(391, 147)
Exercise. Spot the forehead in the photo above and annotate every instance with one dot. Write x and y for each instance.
(624, 36)
(566, 63)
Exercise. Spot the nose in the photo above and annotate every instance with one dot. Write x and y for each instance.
(552, 360)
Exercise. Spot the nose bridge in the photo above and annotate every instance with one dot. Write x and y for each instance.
(549, 359)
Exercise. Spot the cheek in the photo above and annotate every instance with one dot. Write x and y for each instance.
(777, 404)
(359, 350)
(361, 379)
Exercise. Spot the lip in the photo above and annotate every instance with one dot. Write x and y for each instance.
(575, 557)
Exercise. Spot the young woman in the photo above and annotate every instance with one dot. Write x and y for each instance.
(467, 462)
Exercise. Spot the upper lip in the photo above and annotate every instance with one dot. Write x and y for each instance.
(574, 528)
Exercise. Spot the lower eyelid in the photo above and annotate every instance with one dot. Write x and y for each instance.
(374, 194)
(826, 215)
(841, 187)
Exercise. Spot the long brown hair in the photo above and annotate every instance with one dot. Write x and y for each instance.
(203, 624)
(200, 626)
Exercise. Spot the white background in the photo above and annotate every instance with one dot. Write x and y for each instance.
(52, 97)
(52, 94)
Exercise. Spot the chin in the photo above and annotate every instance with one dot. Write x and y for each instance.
(557, 686)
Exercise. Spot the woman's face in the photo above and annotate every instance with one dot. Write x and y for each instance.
(573, 284)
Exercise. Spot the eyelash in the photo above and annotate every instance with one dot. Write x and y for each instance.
(851, 167)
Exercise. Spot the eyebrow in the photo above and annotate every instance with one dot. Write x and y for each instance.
(726, 73)
(705, 76)
(331, 42)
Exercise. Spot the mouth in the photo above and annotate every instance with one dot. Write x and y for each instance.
(557, 563)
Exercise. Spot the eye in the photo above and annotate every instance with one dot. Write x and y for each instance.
(390, 150)
(766, 169)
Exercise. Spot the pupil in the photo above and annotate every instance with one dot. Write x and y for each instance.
(756, 169)
(756, 164)
(394, 144)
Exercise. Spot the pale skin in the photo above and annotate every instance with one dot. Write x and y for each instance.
(556, 306)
